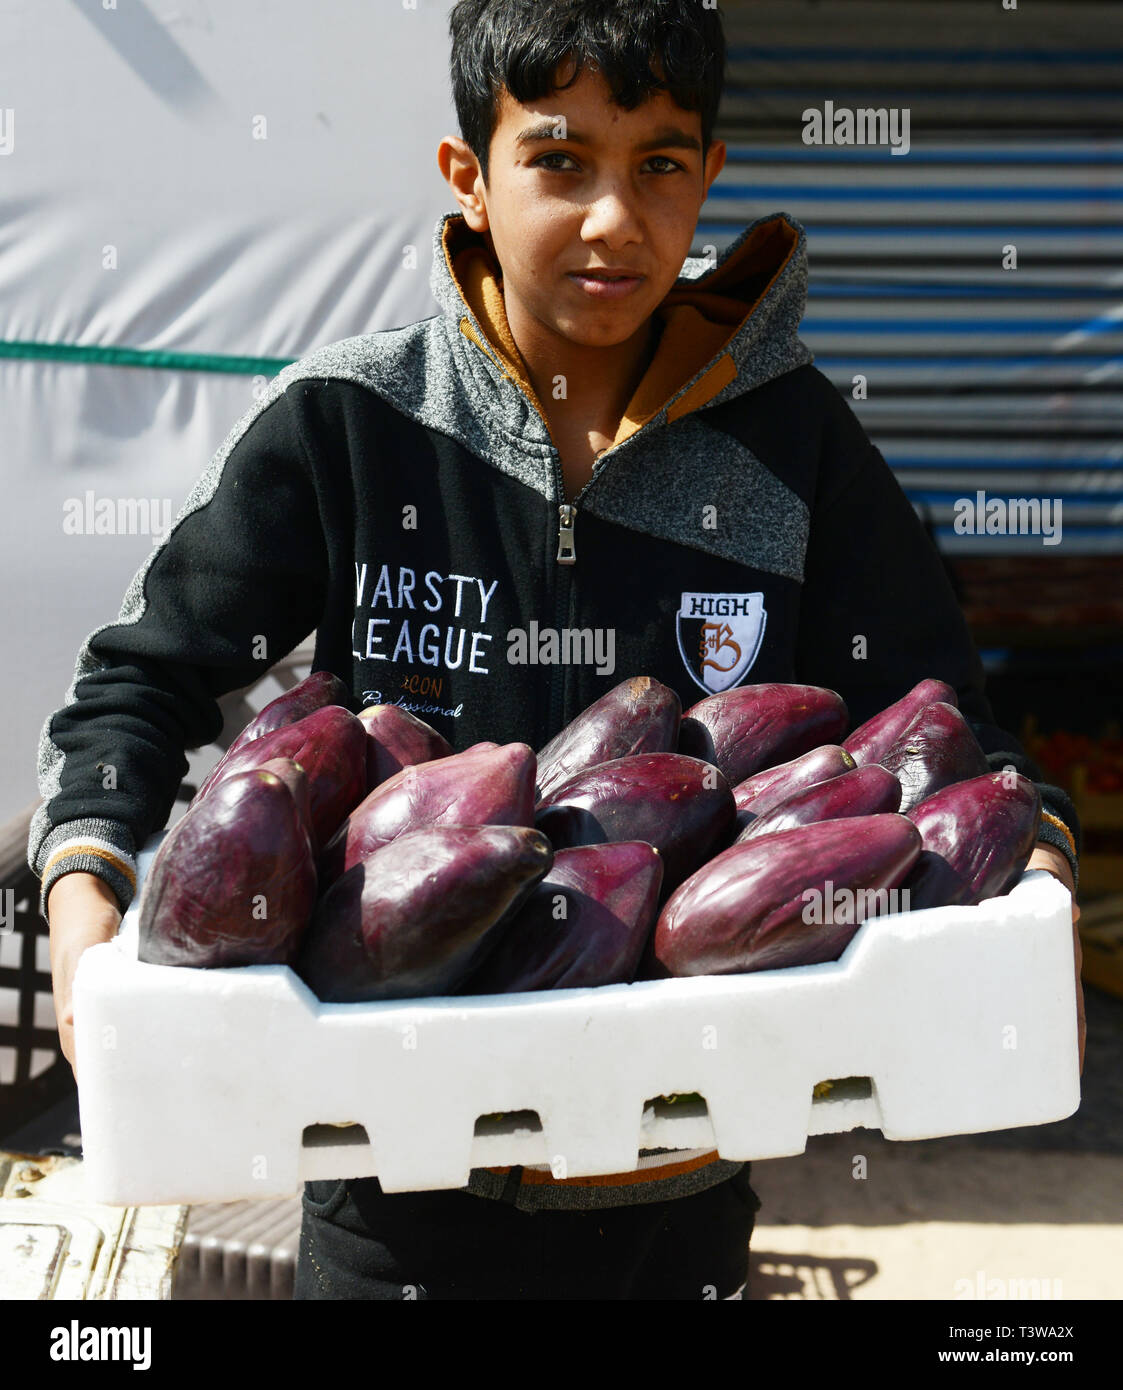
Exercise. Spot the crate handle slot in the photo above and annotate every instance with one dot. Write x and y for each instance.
(334, 1134)
(842, 1088)
(508, 1122)
(690, 1105)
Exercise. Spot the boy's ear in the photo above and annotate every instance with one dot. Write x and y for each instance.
(715, 162)
(461, 171)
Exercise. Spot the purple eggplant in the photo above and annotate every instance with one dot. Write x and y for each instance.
(871, 740)
(233, 882)
(416, 917)
(680, 805)
(485, 785)
(295, 778)
(793, 898)
(936, 750)
(584, 924)
(330, 745)
(752, 727)
(638, 716)
(316, 691)
(977, 838)
(397, 739)
(761, 791)
(866, 791)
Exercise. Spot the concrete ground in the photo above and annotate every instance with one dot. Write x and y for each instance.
(1025, 1213)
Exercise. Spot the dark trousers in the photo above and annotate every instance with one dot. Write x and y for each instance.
(358, 1242)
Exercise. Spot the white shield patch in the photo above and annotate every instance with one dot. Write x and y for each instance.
(719, 636)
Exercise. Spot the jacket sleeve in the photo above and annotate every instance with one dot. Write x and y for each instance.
(238, 582)
(872, 572)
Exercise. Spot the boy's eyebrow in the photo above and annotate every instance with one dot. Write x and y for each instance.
(669, 137)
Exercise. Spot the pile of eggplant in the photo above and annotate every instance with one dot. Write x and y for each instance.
(750, 832)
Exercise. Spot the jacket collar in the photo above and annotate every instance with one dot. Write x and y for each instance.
(728, 324)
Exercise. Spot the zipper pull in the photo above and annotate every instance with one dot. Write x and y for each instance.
(567, 554)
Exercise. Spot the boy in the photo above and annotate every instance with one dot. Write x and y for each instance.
(585, 437)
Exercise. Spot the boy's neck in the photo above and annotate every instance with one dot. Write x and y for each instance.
(599, 381)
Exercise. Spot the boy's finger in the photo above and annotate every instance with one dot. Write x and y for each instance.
(66, 1043)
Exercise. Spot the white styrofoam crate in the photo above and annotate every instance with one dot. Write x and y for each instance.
(200, 1085)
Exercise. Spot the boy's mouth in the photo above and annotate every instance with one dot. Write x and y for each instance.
(606, 284)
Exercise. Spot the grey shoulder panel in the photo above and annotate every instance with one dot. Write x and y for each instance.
(665, 489)
(429, 373)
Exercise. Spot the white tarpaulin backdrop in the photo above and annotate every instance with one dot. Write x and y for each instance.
(208, 180)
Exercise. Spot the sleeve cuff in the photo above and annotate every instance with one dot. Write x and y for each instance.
(1053, 831)
(102, 847)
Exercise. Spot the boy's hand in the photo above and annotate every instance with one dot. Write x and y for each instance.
(1050, 858)
(82, 911)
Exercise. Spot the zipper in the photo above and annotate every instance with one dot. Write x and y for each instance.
(567, 553)
(564, 561)
(567, 514)
(565, 557)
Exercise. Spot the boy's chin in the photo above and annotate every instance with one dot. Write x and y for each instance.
(601, 335)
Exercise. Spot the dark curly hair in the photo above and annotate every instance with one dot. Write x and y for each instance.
(520, 44)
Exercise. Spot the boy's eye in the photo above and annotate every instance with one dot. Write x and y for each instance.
(672, 168)
(556, 155)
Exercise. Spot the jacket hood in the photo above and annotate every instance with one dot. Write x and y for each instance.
(727, 324)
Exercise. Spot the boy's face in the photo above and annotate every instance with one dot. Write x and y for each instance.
(621, 192)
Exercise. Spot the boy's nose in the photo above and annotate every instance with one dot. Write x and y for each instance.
(611, 217)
